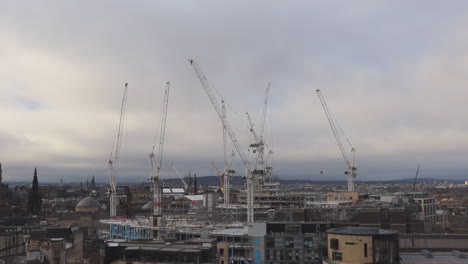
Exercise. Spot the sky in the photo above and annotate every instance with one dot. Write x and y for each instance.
(393, 73)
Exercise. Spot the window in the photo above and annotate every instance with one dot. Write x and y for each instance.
(289, 242)
(308, 242)
(270, 242)
(337, 256)
(221, 251)
(365, 250)
(334, 243)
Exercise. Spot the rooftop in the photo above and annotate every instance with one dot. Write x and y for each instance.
(436, 257)
(360, 231)
(88, 202)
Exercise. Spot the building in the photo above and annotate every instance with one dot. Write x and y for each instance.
(428, 208)
(88, 204)
(196, 250)
(210, 201)
(428, 257)
(433, 242)
(342, 196)
(442, 219)
(13, 234)
(362, 245)
(273, 242)
(62, 243)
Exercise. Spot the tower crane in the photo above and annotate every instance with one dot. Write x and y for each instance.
(180, 176)
(220, 176)
(257, 148)
(155, 179)
(248, 170)
(261, 171)
(228, 172)
(350, 168)
(113, 162)
(416, 177)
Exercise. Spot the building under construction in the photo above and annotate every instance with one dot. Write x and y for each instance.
(262, 223)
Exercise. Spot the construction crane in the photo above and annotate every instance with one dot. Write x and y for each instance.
(228, 172)
(155, 178)
(180, 176)
(262, 173)
(220, 176)
(257, 148)
(113, 162)
(248, 170)
(350, 168)
(416, 177)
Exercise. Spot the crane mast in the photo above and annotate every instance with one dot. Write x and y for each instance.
(155, 178)
(350, 168)
(228, 172)
(262, 162)
(112, 164)
(248, 171)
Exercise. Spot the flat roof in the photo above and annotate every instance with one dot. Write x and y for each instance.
(437, 257)
(360, 231)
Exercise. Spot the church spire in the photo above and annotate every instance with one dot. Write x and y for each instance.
(195, 185)
(35, 183)
(35, 198)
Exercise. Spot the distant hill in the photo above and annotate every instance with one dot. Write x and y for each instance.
(238, 180)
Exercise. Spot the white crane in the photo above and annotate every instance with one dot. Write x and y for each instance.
(155, 179)
(112, 164)
(180, 176)
(248, 170)
(350, 168)
(228, 172)
(261, 172)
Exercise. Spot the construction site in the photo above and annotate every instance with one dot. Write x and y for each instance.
(258, 221)
(233, 224)
(236, 217)
(234, 132)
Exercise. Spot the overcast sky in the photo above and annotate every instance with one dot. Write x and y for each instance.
(394, 75)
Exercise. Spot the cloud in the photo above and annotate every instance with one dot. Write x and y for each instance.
(393, 75)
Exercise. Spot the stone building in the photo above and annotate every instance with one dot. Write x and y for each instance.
(362, 245)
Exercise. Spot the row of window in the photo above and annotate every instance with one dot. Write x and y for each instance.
(11, 230)
(290, 242)
(276, 254)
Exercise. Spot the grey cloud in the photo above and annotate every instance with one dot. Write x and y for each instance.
(381, 67)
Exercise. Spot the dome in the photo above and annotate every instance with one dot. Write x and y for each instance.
(87, 204)
(148, 206)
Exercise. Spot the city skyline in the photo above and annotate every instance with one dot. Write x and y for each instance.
(392, 75)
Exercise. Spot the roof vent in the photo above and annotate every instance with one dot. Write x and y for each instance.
(458, 254)
(426, 253)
